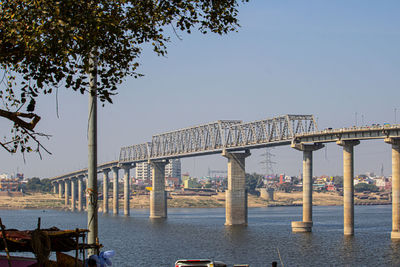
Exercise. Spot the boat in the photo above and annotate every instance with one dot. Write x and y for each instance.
(41, 243)
(199, 263)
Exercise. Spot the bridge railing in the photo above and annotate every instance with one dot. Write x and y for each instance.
(368, 128)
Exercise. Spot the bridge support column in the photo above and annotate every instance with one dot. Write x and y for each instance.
(66, 193)
(105, 190)
(60, 189)
(158, 198)
(80, 197)
(115, 190)
(55, 188)
(73, 193)
(348, 185)
(236, 195)
(307, 223)
(126, 168)
(395, 234)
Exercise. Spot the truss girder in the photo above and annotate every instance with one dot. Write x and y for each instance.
(219, 135)
(135, 153)
(234, 135)
(277, 129)
(191, 140)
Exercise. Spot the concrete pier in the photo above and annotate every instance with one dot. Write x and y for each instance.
(80, 193)
(115, 190)
(126, 169)
(307, 223)
(60, 189)
(395, 234)
(236, 194)
(66, 193)
(73, 193)
(158, 199)
(348, 185)
(266, 193)
(105, 190)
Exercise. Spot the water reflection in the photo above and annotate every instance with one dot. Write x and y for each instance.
(347, 247)
(157, 221)
(236, 235)
(394, 252)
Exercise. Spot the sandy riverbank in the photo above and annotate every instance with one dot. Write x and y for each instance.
(51, 201)
(281, 199)
(31, 201)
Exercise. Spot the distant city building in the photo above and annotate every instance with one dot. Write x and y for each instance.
(172, 182)
(143, 172)
(331, 187)
(10, 184)
(191, 183)
(281, 178)
(288, 179)
(362, 178)
(383, 183)
(185, 177)
(172, 169)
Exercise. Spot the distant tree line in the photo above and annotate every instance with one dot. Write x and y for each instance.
(38, 185)
(253, 181)
(362, 187)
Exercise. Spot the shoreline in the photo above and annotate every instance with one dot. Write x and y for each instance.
(42, 201)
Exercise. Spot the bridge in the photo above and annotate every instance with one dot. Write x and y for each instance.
(234, 139)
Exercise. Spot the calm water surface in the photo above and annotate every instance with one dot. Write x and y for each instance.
(200, 233)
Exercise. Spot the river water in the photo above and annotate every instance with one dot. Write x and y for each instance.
(200, 233)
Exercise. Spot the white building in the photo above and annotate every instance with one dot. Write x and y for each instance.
(172, 169)
(143, 171)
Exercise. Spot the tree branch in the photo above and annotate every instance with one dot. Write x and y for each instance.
(5, 147)
(16, 118)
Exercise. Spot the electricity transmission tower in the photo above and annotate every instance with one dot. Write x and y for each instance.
(267, 162)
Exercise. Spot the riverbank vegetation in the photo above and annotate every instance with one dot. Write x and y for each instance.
(38, 185)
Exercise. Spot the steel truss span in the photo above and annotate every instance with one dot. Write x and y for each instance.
(221, 135)
(233, 135)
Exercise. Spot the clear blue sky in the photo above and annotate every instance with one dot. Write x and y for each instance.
(332, 59)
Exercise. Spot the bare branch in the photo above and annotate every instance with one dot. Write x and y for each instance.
(39, 145)
(5, 147)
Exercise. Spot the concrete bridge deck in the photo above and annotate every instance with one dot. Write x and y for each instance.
(233, 140)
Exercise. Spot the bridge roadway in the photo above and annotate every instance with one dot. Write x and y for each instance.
(233, 140)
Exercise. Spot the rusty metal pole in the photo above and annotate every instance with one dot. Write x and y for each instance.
(92, 155)
(3, 232)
